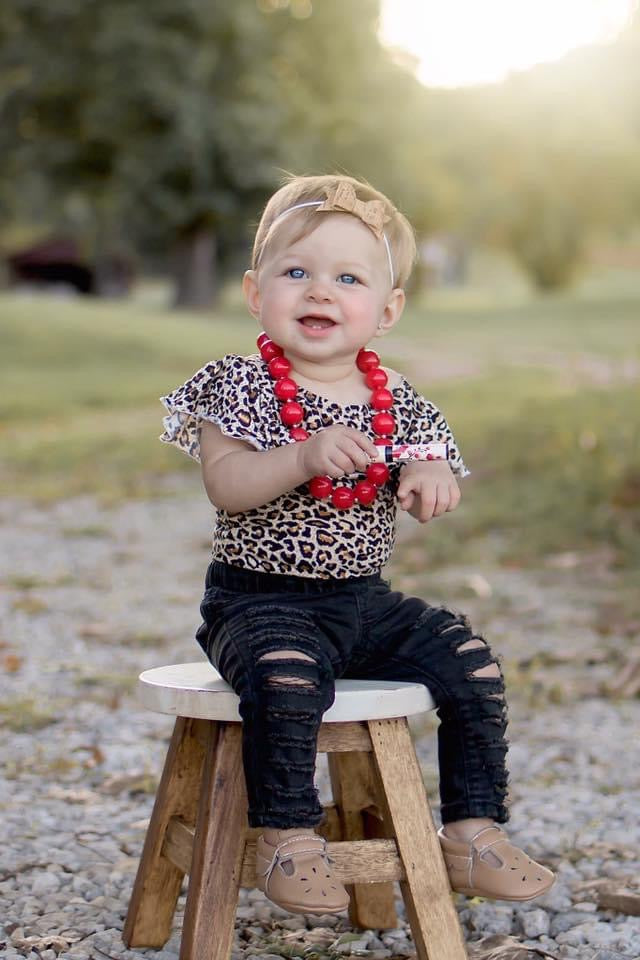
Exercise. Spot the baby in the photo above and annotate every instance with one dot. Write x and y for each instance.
(288, 440)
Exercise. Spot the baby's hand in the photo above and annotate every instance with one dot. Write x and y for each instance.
(428, 490)
(335, 452)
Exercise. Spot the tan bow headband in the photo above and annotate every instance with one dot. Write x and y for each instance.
(343, 199)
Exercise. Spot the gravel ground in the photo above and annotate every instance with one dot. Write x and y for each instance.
(91, 595)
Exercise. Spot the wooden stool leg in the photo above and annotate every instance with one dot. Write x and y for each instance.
(353, 782)
(158, 881)
(426, 891)
(218, 849)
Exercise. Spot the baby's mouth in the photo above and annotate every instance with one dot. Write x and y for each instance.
(316, 323)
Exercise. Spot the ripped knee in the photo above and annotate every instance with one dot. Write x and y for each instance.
(277, 680)
(491, 669)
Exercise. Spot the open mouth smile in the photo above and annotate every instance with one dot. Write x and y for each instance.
(316, 322)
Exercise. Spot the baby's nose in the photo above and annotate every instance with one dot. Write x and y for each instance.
(319, 290)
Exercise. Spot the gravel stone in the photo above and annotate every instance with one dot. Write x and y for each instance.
(401, 947)
(492, 918)
(611, 955)
(574, 937)
(535, 923)
(564, 921)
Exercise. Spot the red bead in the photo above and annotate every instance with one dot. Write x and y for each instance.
(291, 413)
(367, 359)
(380, 399)
(383, 423)
(376, 377)
(365, 492)
(343, 498)
(279, 367)
(269, 350)
(320, 487)
(285, 389)
(378, 473)
(382, 441)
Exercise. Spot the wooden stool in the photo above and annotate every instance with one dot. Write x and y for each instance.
(379, 827)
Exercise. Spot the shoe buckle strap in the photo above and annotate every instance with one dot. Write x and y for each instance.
(482, 848)
(476, 855)
(277, 857)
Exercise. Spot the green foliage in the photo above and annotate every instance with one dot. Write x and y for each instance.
(143, 128)
(545, 158)
(100, 359)
(570, 465)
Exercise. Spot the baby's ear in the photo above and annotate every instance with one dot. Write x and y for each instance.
(251, 292)
(392, 312)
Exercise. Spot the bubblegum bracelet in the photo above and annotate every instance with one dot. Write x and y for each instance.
(403, 452)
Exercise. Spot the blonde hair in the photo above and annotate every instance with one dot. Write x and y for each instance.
(300, 223)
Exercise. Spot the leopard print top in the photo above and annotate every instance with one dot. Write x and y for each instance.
(296, 533)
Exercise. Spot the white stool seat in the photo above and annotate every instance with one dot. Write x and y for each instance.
(198, 690)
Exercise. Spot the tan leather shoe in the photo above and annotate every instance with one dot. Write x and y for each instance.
(489, 865)
(296, 875)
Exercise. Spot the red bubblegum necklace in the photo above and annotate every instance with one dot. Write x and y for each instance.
(292, 415)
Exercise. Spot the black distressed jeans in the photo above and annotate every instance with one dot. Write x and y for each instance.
(357, 628)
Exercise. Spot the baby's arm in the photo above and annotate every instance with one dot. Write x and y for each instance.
(237, 477)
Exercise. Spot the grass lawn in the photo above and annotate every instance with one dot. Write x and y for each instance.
(542, 394)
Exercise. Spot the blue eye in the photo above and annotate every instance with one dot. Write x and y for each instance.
(296, 273)
(348, 278)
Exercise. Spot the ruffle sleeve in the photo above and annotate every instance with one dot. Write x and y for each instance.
(225, 392)
(427, 424)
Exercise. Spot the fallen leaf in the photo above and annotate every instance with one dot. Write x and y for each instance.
(318, 935)
(44, 943)
(140, 824)
(501, 947)
(12, 663)
(612, 896)
(95, 758)
(606, 850)
(71, 794)
(626, 683)
(94, 631)
(479, 585)
(139, 782)
(563, 561)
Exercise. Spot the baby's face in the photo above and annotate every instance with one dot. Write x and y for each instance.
(323, 297)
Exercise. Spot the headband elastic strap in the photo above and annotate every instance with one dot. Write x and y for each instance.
(318, 203)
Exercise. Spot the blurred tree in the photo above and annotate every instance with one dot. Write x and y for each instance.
(166, 126)
(547, 157)
(142, 125)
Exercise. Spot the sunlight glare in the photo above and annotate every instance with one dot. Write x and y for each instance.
(463, 42)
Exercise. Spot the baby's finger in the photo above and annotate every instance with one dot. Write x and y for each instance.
(406, 501)
(427, 506)
(405, 487)
(442, 500)
(454, 496)
(357, 454)
(368, 446)
(339, 464)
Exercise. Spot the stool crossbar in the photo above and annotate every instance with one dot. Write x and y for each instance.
(379, 827)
